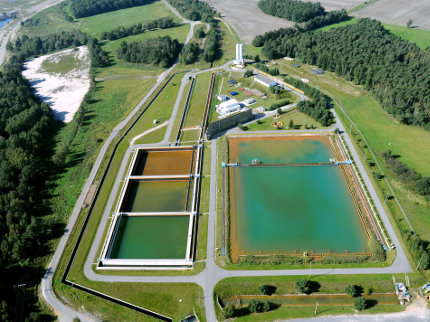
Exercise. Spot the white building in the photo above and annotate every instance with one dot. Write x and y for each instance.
(228, 107)
(239, 61)
(289, 59)
(265, 81)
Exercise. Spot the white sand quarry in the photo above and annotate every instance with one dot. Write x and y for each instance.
(63, 91)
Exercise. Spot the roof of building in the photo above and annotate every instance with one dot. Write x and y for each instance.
(232, 81)
(264, 79)
(228, 104)
(317, 71)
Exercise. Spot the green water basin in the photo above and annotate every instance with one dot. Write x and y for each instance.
(151, 237)
(155, 196)
(290, 209)
(171, 162)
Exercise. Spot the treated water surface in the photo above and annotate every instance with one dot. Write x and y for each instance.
(151, 237)
(155, 196)
(163, 162)
(289, 209)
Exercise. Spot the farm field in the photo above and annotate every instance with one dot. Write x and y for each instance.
(398, 12)
(330, 5)
(246, 18)
(53, 20)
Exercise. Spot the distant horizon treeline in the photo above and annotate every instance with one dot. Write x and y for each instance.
(86, 8)
(396, 71)
(194, 10)
(122, 32)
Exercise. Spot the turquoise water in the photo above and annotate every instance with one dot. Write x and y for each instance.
(4, 22)
(151, 237)
(289, 209)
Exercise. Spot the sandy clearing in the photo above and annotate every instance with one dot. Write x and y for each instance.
(398, 12)
(246, 18)
(330, 5)
(63, 92)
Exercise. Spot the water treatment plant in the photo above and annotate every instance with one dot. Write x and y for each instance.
(155, 217)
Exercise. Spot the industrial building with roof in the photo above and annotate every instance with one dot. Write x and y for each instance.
(227, 107)
(265, 81)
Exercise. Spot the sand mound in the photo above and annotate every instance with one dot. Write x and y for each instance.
(64, 89)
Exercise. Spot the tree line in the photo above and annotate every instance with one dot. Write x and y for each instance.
(25, 47)
(161, 51)
(121, 32)
(194, 10)
(27, 165)
(396, 71)
(25, 150)
(86, 8)
(413, 180)
(317, 108)
(293, 10)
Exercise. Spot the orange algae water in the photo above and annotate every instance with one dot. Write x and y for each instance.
(156, 196)
(288, 209)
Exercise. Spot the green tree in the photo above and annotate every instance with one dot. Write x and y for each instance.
(291, 124)
(425, 260)
(303, 286)
(248, 73)
(257, 306)
(377, 250)
(265, 289)
(409, 23)
(229, 311)
(360, 303)
(352, 290)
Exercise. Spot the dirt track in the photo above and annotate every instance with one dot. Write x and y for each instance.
(246, 18)
(398, 12)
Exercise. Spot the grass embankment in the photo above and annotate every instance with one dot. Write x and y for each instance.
(53, 20)
(322, 284)
(300, 122)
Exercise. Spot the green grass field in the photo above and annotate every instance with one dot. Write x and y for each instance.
(326, 284)
(52, 20)
(300, 121)
(199, 96)
(63, 65)
(123, 68)
(95, 25)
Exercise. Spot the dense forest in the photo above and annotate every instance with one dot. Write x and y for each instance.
(86, 8)
(121, 32)
(190, 53)
(211, 49)
(319, 105)
(194, 10)
(396, 71)
(293, 10)
(161, 51)
(25, 151)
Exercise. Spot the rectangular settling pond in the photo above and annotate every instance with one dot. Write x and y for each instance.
(155, 196)
(169, 162)
(290, 208)
(151, 237)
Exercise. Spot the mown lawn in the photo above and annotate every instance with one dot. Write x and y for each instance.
(300, 121)
(95, 25)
